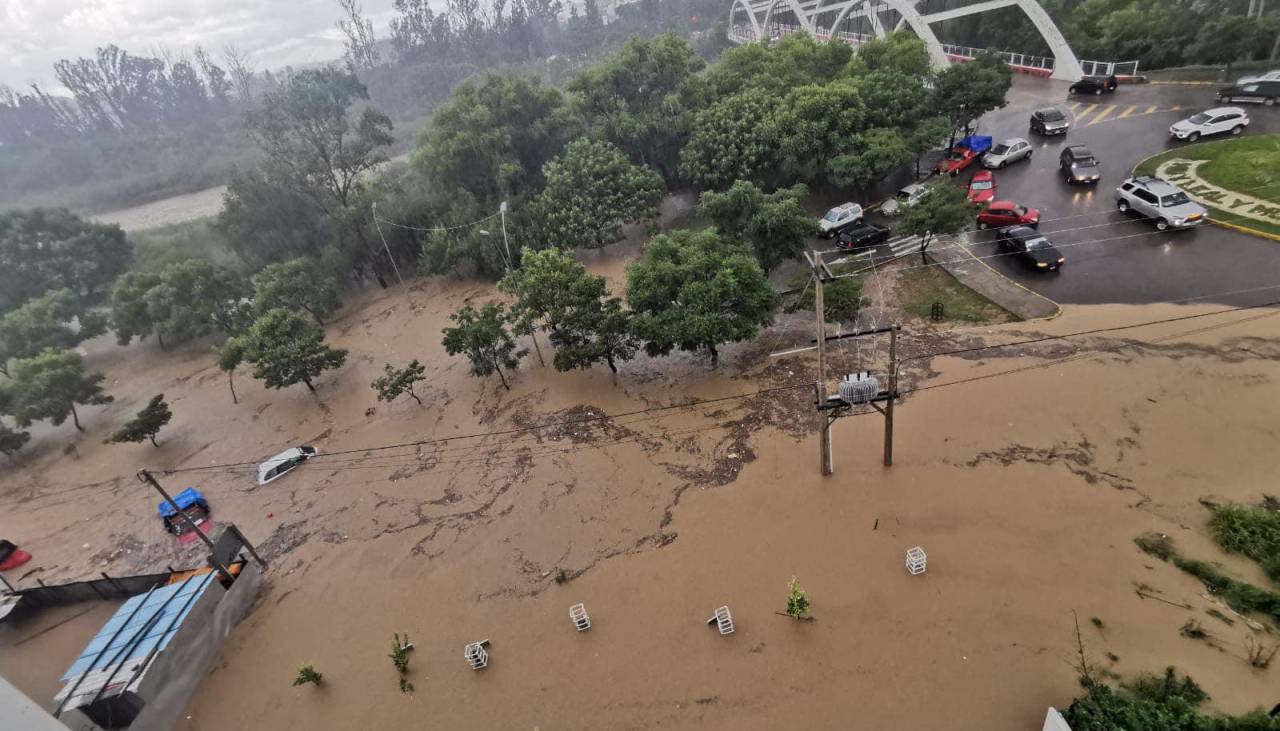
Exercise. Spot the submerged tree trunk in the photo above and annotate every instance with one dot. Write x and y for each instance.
(75, 418)
(231, 383)
(153, 441)
(308, 382)
(160, 339)
(715, 354)
(502, 377)
(534, 336)
(415, 396)
(608, 358)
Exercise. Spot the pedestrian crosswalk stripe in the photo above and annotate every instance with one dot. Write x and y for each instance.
(1084, 113)
(1150, 109)
(1132, 108)
(1101, 115)
(1073, 106)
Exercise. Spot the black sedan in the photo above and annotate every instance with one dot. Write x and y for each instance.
(1031, 245)
(862, 235)
(1096, 85)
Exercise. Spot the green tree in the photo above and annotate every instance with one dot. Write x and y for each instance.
(286, 349)
(130, 317)
(965, 91)
(794, 61)
(317, 146)
(590, 326)
(46, 249)
(637, 98)
(870, 156)
(944, 209)
(308, 674)
(55, 319)
(1229, 39)
(230, 356)
(733, 139)
(297, 284)
(494, 135)
(192, 298)
(815, 123)
(145, 425)
(592, 190)
(12, 440)
(396, 381)
(483, 337)
(899, 52)
(49, 385)
(694, 291)
(540, 287)
(774, 225)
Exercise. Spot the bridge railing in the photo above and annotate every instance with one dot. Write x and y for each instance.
(1106, 68)
(1021, 61)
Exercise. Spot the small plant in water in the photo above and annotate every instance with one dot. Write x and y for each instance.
(308, 674)
(405, 685)
(1260, 655)
(400, 652)
(1193, 630)
(1097, 622)
(561, 576)
(797, 600)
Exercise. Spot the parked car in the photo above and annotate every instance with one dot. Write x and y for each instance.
(1007, 152)
(1211, 122)
(839, 218)
(1078, 165)
(1159, 201)
(278, 465)
(1096, 85)
(1050, 121)
(862, 235)
(904, 198)
(1001, 214)
(1032, 246)
(982, 187)
(193, 503)
(963, 153)
(1257, 92)
(1269, 76)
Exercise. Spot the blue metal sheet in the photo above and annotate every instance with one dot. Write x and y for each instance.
(155, 620)
(184, 499)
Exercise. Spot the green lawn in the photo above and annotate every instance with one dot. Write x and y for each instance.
(920, 287)
(1247, 165)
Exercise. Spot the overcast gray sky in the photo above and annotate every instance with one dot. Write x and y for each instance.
(36, 33)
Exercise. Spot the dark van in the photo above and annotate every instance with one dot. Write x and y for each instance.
(1261, 92)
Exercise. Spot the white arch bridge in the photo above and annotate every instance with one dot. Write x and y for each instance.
(856, 21)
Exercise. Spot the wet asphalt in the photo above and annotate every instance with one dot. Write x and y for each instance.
(1113, 257)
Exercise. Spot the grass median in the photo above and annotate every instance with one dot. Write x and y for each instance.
(1237, 179)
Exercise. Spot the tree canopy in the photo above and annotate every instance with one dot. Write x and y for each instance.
(592, 190)
(483, 337)
(733, 139)
(297, 284)
(774, 225)
(965, 91)
(49, 385)
(943, 209)
(55, 319)
(145, 425)
(47, 249)
(397, 381)
(286, 348)
(695, 291)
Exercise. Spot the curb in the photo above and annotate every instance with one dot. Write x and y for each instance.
(1187, 83)
(1245, 229)
(993, 270)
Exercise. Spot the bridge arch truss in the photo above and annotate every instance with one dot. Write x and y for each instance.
(758, 20)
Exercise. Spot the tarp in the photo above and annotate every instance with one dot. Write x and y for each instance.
(184, 499)
(977, 143)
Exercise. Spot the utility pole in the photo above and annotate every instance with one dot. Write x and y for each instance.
(145, 476)
(826, 462)
(502, 211)
(893, 394)
(386, 248)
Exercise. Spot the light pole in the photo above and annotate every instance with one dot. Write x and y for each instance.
(502, 209)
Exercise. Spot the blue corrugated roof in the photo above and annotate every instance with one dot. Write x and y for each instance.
(154, 619)
(184, 499)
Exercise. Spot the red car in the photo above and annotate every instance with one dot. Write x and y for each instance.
(982, 187)
(1007, 213)
(956, 160)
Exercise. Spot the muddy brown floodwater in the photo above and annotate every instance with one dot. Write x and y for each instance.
(1026, 490)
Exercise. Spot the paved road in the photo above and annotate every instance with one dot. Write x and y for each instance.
(1111, 257)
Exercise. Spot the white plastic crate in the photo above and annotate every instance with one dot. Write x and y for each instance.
(916, 560)
(476, 655)
(578, 613)
(723, 621)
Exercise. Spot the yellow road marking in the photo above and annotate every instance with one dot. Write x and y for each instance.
(1128, 111)
(1084, 113)
(1151, 109)
(1106, 112)
(1174, 109)
(1073, 106)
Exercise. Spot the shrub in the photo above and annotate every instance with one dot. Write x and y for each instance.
(1252, 531)
(308, 674)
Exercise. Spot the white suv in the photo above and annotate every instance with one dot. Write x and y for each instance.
(1159, 201)
(1211, 122)
(839, 218)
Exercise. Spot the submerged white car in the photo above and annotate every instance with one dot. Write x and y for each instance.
(278, 465)
(1211, 122)
(1269, 76)
(839, 218)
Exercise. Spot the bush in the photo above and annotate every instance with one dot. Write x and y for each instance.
(1166, 703)
(1252, 531)
(842, 299)
(1156, 544)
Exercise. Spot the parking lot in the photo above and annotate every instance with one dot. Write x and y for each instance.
(1112, 257)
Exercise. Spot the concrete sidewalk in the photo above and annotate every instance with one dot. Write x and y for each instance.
(960, 262)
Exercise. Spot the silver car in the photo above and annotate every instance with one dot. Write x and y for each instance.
(1007, 152)
(904, 198)
(1159, 201)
